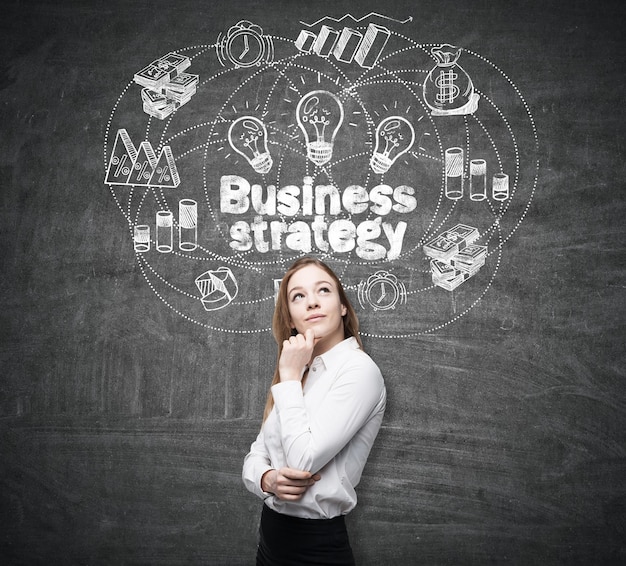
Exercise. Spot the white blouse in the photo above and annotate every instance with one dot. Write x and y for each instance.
(326, 427)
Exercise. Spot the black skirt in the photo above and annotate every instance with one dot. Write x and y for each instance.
(291, 541)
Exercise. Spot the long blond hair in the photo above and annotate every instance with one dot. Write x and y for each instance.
(281, 322)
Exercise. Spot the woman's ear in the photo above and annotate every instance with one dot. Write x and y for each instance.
(344, 310)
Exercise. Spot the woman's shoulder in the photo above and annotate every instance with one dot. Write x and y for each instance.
(365, 359)
(358, 359)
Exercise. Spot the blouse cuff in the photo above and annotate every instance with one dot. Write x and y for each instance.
(256, 484)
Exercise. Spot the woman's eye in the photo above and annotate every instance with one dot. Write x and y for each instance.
(297, 296)
(324, 290)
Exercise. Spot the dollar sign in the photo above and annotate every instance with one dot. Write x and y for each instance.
(448, 91)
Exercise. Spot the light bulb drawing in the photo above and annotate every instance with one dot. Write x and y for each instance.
(248, 137)
(394, 137)
(320, 115)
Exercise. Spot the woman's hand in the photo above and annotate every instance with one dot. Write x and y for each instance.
(288, 484)
(296, 354)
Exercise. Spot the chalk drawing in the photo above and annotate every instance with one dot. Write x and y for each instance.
(394, 137)
(454, 256)
(130, 166)
(187, 225)
(248, 137)
(166, 86)
(320, 115)
(382, 291)
(357, 20)
(245, 45)
(142, 238)
(347, 45)
(448, 89)
(218, 288)
(164, 231)
(344, 139)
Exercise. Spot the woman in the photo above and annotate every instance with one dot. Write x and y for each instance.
(323, 412)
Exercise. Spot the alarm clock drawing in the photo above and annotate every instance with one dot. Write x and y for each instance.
(245, 46)
(382, 291)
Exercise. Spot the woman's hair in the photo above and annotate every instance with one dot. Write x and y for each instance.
(281, 322)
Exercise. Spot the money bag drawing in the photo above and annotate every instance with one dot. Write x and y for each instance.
(448, 89)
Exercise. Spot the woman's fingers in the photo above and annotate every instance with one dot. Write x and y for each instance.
(295, 355)
(291, 484)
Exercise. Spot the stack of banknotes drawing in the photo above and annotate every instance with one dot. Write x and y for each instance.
(166, 86)
(454, 256)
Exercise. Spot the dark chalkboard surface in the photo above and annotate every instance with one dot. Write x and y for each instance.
(470, 197)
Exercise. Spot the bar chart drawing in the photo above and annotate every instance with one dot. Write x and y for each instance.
(305, 41)
(130, 166)
(325, 41)
(455, 177)
(347, 45)
(372, 45)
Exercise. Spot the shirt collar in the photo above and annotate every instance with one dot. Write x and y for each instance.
(337, 353)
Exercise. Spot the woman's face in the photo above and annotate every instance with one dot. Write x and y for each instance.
(313, 301)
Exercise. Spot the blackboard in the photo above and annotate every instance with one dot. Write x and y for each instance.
(133, 381)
